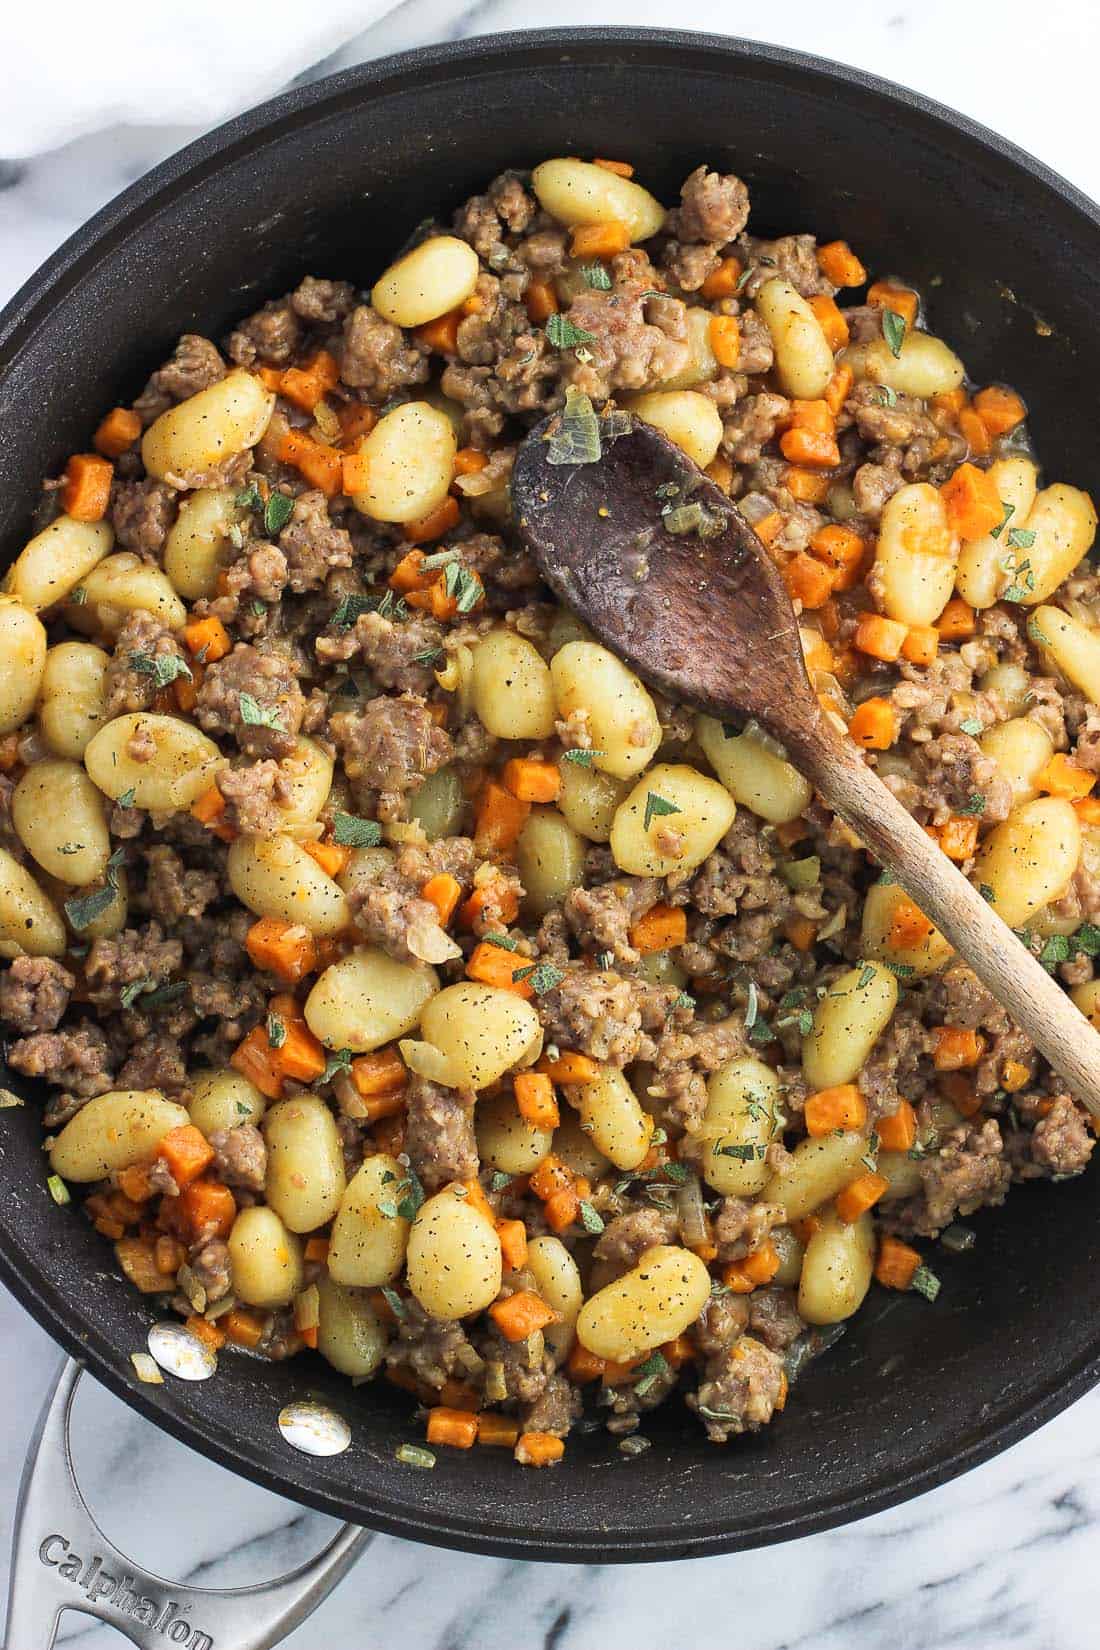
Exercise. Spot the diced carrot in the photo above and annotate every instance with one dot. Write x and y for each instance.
(206, 1209)
(208, 637)
(441, 335)
(769, 527)
(356, 420)
(808, 486)
(87, 490)
(254, 1058)
(957, 836)
(562, 1210)
(808, 448)
(831, 321)
(379, 1075)
(270, 377)
(118, 431)
(535, 1100)
(999, 409)
(570, 1068)
(722, 282)
(135, 1182)
(874, 725)
(621, 168)
(839, 387)
(494, 902)
(973, 428)
(584, 1366)
(300, 1055)
(444, 892)
(908, 925)
(332, 857)
(950, 402)
(921, 644)
(1064, 777)
(808, 580)
(185, 1153)
(473, 305)
(307, 385)
(532, 781)
(551, 1176)
(880, 638)
(679, 1352)
(469, 461)
(500, 818)
(903, 302)
(818, 656)
(539, 1449)
(407, 575)
(1088, 810)
(600, 240)
(242, 1327)
(957, 621)
(494, 965)
(208, 1333)
(659, 929)
(388, 1134)
(842, 1107)
(513, 1242)
(1015, 1076)
(839, 264)
(316, 1249)
(724, 333)
(896, 1263)
(618, 1374)
(842, 549)
(135, 1256)
(720, 471)
(521, 1314)
(354, 473)
(973, 503)
(497, 1430)
(956, 1047)
(961, 1092)
(321, 465)
(860, 1195)
(805, 1228)
(743, 1276)
(286, 949)
(812, 415)
(897, 1131)
(540, 301)
(434, 524)
(801, 931)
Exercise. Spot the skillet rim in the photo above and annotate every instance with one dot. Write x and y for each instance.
(252, 132)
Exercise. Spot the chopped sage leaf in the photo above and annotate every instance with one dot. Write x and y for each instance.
(564, 334)
(499, 1181)
(1021, 538)
(971, 726)
(596, 276)
(352, 832)
(893, 330)
(975, 804)
(653, 1370)
(503, 942)
(1009, 512)
(126, 800)
(250, 499)
(162, 667)
(583, 758)
(129, 993)
(576, 440)
(255, 715)
(926, 1283)
(394, 1302)
(591, 1219)
(1087, 939)
(338, 1060)
(277, 512)
(276, 1030)
(350, 608)
(656, 806)
(541, 977)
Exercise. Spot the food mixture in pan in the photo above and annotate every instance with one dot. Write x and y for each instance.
(414, 984)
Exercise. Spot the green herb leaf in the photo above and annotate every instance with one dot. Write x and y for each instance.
(162, 667)
(259, 609)
(684, 1000)
(1055, 950)
(129, 993)
(903, 971)
(975, 804)
(581, 758)
(413, 1198)
(653, 1370)
(255, 715)
(394, 1302)
(1021, 538)
(276, 1030)
(164, 994)
(503, 942)
(656, 806)
(986, 892)
(126, 800)
(250, 499)
(761, 1033)
(277, 513)
(595, 275)
(564, 334)
(83, 912)
(352, 832)
(971, 726)
(58, 1189)
(604, 960)
(499, 1181)
(1009, 512)
(576, 439)
(350, 608)
(926, 1283)
(886, 396)
(427, 657)
(893, 330)
(1036, 632)
(338, 1060)
(541, 976)
(742, 1151)
(1087, 939)
(78, 596)
(591, 1219)
(866, 975)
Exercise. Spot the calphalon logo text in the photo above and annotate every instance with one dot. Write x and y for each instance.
(119, 1592)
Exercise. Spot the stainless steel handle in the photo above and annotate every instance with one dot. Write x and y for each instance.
(61, 1560)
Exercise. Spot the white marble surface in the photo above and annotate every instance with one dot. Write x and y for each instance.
(1000, 1560)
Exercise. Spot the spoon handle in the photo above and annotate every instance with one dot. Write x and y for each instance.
(1014, 975)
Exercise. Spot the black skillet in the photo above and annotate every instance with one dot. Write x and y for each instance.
(330, 179)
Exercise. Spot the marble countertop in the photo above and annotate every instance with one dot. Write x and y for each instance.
(998, 1559)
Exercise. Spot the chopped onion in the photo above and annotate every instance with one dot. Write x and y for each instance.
(577, 437)
(145, 1369)
(307, 1309)
(428, 1061)
(690, 1214)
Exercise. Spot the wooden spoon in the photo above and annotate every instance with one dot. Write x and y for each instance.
(707, 619)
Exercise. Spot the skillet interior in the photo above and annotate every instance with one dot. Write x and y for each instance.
(330, 180)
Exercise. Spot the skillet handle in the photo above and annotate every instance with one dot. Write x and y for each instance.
(61, 1560)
